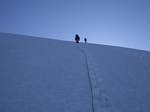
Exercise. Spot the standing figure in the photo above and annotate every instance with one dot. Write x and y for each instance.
(85, 40)
(77, 38)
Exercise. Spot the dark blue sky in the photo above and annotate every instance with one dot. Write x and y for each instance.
(112, 22)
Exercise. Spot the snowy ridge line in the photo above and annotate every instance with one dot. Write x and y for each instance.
(100, 101)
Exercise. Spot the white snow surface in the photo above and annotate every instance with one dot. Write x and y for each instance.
(45, 75)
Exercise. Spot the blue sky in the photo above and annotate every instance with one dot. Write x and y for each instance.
(113, 22)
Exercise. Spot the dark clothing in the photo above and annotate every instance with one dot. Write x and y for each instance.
(85, 40)
(77, 38)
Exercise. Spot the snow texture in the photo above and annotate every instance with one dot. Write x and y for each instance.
(44, 75)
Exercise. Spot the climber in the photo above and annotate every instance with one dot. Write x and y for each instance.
(85, 40)
(77, 38)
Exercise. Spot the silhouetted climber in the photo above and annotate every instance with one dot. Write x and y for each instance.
(77, 38)
(85, 40)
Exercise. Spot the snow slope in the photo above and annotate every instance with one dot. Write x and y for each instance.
(44, 75)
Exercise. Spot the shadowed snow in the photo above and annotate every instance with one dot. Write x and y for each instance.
(43, 75)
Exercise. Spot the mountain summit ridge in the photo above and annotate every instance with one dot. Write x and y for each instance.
(39, 74)
(13, 35)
